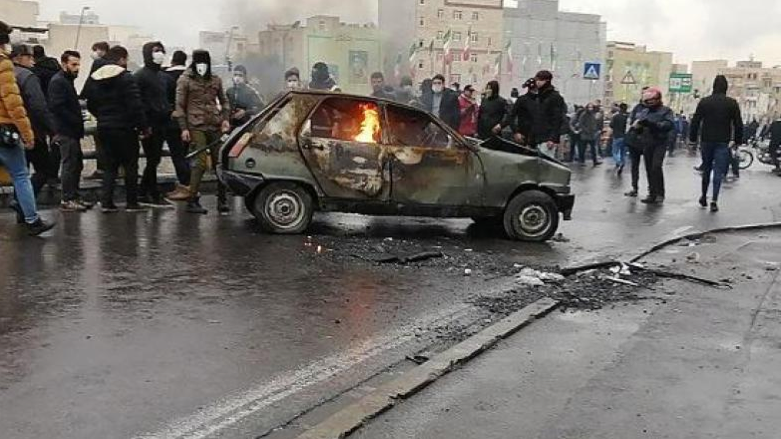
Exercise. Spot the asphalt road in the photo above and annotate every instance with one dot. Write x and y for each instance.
(169, 325)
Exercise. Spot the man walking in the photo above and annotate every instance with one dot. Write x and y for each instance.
(114, 98)
(152, 83)
(718, 125)
(653, 125)
(173, 134)
(589, 130)
(442, 102)
(548, 119)
(618, 125)
(69, 126)
(201, 121)
(16, 134)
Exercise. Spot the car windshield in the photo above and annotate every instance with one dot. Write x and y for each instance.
(410, 127)
(349, 120)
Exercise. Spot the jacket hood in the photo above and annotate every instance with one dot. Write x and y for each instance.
(147, 52)
(720, 85)
(201, 57)
(109, 71)
(494, 86)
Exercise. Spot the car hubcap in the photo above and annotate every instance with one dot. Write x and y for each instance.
(285, 210)
(534, 220)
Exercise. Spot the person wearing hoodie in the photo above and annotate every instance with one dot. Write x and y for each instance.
(321, 78)
(113, 96)
(201, 120)
(588, 127)
(547, 119)
(492, 117)
(173, 134)
(652, 126)
(16, 135)
(718, 125)
(152, 84)
(467, 106)
(45, 67)
(244, 100)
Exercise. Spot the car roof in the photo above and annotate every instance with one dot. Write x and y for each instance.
(336, 94)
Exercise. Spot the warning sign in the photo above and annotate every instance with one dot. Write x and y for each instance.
(629, 79)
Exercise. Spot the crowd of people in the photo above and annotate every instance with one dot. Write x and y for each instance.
(187, 108)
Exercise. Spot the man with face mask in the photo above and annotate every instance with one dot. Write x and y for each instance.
(321, 78)
(198, 94)
(16, 135)
(69, 126)
(442, 102)
(153, 84)
(292, 79)
(173, 134)
(244, 100)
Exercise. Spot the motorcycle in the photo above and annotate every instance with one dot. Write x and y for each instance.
(756, 149)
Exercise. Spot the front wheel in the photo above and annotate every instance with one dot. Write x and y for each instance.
(531, 216)
(283, 208)
(746, 159)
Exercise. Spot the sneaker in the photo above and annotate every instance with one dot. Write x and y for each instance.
(631, 194)
(109, 208)
(223, 207)
(181, 193)
(194, 206)
(40, 227)
(704, 202)
(714, 207)
(136, 207)
(72, 206)
(597, 163)
(88, 205)
(159, 203)
(650, 200)
(620, 170)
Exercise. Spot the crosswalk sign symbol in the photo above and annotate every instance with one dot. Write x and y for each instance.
(629, 79)
(592, 71)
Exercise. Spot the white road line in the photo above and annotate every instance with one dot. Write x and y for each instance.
(230, 410)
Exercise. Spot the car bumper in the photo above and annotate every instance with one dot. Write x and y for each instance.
(238, 183)
(566, 204)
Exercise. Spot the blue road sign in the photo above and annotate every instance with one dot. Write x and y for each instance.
(592, 70)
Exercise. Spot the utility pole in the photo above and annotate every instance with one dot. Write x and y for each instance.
(78, 30)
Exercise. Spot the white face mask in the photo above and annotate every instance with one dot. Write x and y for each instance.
(293, 84)
(238, 80)
(158, 58)
(437, 88)
(94, 55)
(202, 68)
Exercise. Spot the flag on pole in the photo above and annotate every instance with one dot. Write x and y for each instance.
(468, 45)
(510, 63)
(413, 50)
(447, 46)
(498, 65)
(539, 55)
(552, 57)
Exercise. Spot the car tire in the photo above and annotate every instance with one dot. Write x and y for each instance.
(283, 208)
(531, 216)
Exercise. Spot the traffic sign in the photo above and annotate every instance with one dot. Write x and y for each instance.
(629, 79)
(681, 83)
(592, 70)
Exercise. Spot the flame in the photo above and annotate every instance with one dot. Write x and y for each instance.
(370, 126)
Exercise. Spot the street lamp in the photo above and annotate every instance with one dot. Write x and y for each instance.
(228, 48)
(81, 22)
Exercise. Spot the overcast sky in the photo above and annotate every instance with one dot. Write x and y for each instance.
(692, 29)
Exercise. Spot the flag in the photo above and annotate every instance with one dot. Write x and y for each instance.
(431, 47)
(468, 45)
(552, 57)
(498, 65)
(539, 55)
(510, 63)
(413, 50)
(446, 46)
(397, 69)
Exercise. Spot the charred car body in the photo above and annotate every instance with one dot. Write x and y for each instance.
(310, 151)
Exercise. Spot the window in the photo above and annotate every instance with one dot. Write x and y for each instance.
(341, 119)
(473, 57)
(440, 35)
(455, 78)
(421, 65)
(321, 24)
(458, 15)
(490, 41)
(473, 37)
(420, 43)
(422, 22)
(421, 2)
(456, 36)
(441, 14)
(475, 16)
(414, 128)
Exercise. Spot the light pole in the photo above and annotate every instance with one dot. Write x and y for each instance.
(78, 30)
(228, 61)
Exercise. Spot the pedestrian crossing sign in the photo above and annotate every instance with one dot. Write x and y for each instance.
(592, 71)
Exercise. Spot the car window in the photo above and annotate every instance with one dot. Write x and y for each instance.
(282, 120)
(410, 127)
(347, 120)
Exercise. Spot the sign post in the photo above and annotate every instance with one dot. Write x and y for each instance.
(681, 83)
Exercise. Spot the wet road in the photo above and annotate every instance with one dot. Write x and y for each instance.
(169, 325)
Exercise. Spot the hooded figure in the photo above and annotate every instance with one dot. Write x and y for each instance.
(493, 112)
(45, 67)
(321, 78)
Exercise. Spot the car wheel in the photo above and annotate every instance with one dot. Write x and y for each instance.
(283, 208)
(531, 216)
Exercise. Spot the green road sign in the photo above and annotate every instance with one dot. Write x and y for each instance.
(681, 83)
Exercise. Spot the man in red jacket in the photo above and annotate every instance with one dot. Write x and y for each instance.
(468, 108)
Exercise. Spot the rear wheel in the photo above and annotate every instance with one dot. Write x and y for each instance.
(746, 158)
(531, 216)
(283, 208)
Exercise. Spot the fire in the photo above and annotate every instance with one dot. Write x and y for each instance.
(370, 126)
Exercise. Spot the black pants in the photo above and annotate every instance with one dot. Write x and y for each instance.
(120, 147)
(592, 144)
(173, 137)
(654, 168)
(72, 166)
(635, 156)
(41, 161)
(153, 149)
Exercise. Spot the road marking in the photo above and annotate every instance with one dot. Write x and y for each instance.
(231, 410)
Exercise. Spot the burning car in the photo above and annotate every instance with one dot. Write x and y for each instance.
(318, 151)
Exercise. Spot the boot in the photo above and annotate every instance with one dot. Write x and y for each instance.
(194, 206)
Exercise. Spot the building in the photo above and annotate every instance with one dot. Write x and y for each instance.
(464, 39)
(87, 17)
(543, 37)
(224, 46)
(352, 51)
(704, 72)
(756, 88)
(631, 67)
(18, 13)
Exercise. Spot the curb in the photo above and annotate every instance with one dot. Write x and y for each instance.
(354, 416)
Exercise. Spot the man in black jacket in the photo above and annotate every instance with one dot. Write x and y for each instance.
(618, 125)
(652, 124)
(69, 126)
(718, 125)
(442, 102)
(173, 135)
(45, 67)
(39, 114)
(546, 115)
(114, 98)
(153, 86)
(521, 114)
(492, 117)
(244, 100)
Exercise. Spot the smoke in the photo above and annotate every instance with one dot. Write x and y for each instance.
(253, 15)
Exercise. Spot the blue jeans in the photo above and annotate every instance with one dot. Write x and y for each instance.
(619, 152)
(715, 161)
(15, 162)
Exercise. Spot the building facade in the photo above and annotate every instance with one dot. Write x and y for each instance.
(631, 67)
(352, 51)
(543, 37)
(756, 88)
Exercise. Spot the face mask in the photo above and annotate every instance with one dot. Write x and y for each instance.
(239, 80)
(489, 93)
(437, 88)
(408, 88)
(95, 55)
(158, 58)
(201, 68)
(292, 84)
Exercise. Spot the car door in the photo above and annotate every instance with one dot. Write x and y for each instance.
(429, 166)
(342, 145)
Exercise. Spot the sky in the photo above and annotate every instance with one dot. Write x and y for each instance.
(691, 29)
